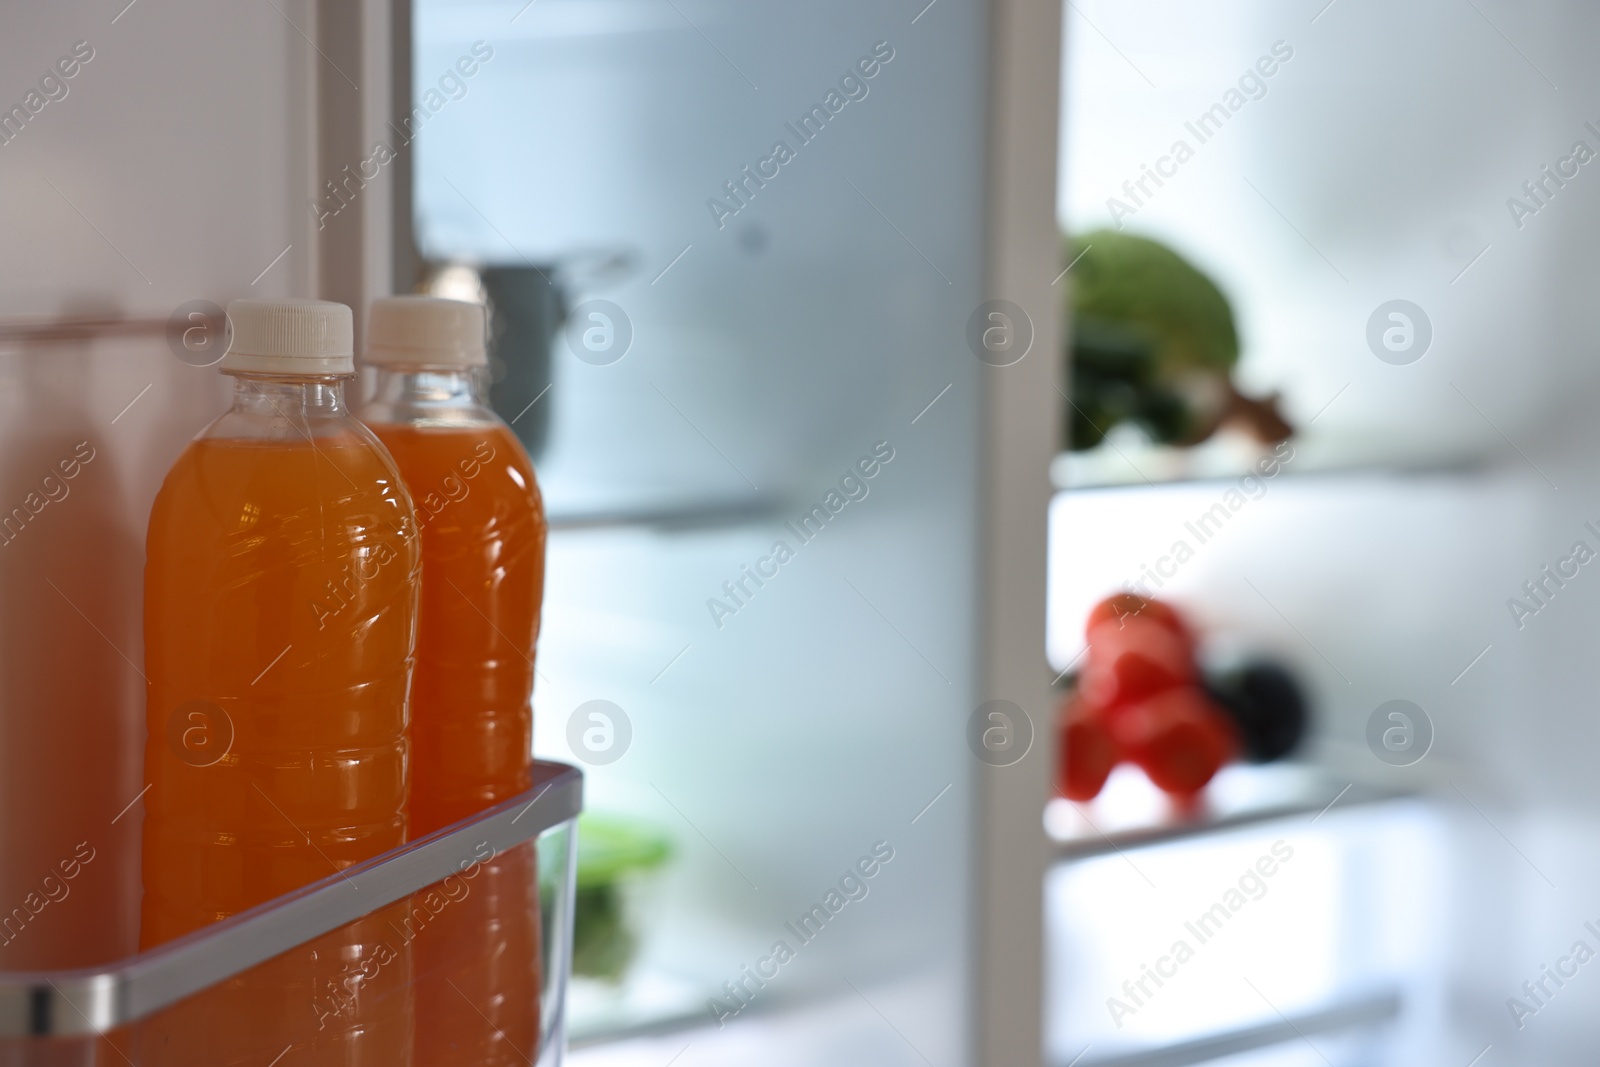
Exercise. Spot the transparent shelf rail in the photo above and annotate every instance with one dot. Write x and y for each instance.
(357, 967)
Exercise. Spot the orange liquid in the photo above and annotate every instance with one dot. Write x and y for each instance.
(483, 539)
(279, 614)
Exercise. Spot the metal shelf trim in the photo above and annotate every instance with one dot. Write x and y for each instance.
(93, 1000)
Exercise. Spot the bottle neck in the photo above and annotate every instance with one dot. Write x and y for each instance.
(427, 395)
(289, 397)
(283, 408)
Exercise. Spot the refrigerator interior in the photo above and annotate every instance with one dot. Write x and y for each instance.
(1379, 155)
(798, 365)
(778, 728)
(777, 733)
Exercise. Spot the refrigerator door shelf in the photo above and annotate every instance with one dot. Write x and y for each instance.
(96, 1000)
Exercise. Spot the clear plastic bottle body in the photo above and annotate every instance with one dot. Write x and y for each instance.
(483, 541)
(281, 597)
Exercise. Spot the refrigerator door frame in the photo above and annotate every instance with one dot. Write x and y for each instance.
(1020, 433)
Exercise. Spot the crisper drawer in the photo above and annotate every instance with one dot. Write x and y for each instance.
(454, 949)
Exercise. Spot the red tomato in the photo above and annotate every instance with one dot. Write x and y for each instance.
(1087, 752)
(1179, 738)
(1135, 660)
(1122, 607)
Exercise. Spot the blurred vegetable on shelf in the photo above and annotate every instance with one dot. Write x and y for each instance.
(1142, 699)
(611, 851)
(1266, 704)
(1154, 344)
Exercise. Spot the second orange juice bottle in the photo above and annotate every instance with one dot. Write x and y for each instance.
(483, 540)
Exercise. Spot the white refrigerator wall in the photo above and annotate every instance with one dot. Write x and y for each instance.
(173, 165)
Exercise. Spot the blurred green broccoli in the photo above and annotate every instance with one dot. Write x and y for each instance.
(1153, 343)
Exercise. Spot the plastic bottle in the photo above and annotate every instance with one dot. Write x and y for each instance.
(281, 586)
(483, 539)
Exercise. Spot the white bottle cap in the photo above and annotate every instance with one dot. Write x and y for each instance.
(425, 331)
(290, 337)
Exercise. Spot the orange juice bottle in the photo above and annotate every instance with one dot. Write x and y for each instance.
(483, 535)
(282, 577)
